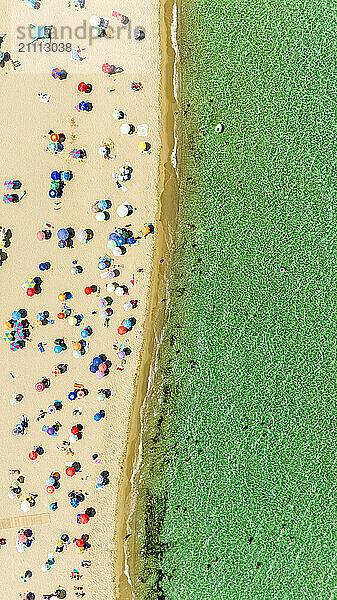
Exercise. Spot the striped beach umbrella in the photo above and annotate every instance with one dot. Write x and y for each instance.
(8, 337)
(14, 346)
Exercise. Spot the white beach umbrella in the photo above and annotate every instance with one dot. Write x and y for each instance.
(119, 291)
(25, 506)
(102, 151)
(100, 216)
(127, 306)
(81, 235)
(117, 251)
(94, 21)
(125, 128)
(122, 210)
(11, 494)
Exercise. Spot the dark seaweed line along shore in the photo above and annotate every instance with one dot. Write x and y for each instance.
(236, 490)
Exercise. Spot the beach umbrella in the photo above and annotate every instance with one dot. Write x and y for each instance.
(146, 230)
(77, 353)
(54, 137)
(99, 374)
(101, 265)
(74, 502)
(121, 354)
(63, 234)
(39, 386)
(84, 333)
(93, 369)
(102, 204)
(8, 198)
(70, 471)
(127, 323)
(74, 430)
(106, 68)
(51, 431)
(50, 481)
(33, 455)
(72, 396)
(25, 506)
(30, 283)
(77, 346)
(96, 361)
(82, 87)
(52, 147)
(117, 251)
(142, 146)
(122, 210)
(72, 321)
(43, 266)
(55, 175)
(50, 489)
(103, 314)
(118, 114)
(83, 105)
(41, 236)
(79, 543)
(75, 153)
(11, 494)
(81, 235)
(30, 292)
(111, 244)
(122, 330)
(14, 347)
(131, 240)
(58, 349)
(61, 315)
(97, 417)
(88, 290)
(102, 367)
(100, 217)
(7, 326)
(125, 128)
(83, 519)
(8, 337)
(119, 291)
(103, 302)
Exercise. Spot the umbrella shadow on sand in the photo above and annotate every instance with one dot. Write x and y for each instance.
(3, 257)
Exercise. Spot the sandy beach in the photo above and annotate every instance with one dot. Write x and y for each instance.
(24, 123)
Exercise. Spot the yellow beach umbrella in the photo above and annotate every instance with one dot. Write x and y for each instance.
(141, 146)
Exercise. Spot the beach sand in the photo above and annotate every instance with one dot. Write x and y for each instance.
(24, 120)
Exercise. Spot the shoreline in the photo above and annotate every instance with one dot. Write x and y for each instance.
(166, 221)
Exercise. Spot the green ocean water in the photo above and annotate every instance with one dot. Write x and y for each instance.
(237, 491)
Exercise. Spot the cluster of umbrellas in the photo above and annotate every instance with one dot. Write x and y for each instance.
(83, 518)
(100, 366)
(78, 394)
(24, 539)
(21, 428)
(53, 482)
(62, 542)
(126, 326)
(118, 239)
(33, 286)
(75, 433)
(57, 184)
(16, 330)
(84, 106)
(99, 208)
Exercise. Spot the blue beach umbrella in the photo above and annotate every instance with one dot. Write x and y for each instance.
(62, 234)
(131, 240)
(83, 105)
(127, 323)
(16, 315)
(74, 502)
(72, 396)
(58, 349)
(101, 265)
(52, 147)
(102, 204)
(93, 368)
(97, 361)
(55, 175)
(97, 417)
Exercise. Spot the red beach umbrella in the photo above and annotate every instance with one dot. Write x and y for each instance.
(39, 386)
(61, 315)
(54, 137)
(79, 543)
(74, 430)
(50, 489)
(82, 87)
(106, 68)
(122, 330)
(33, 455)
(30, 292)
(83, 519)
(40, 236)
(88, 290)
(70, 471)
